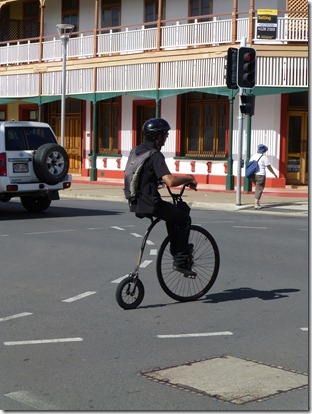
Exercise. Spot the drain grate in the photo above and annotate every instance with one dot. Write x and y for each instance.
(230, 379)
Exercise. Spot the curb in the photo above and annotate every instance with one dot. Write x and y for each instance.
(245, 208)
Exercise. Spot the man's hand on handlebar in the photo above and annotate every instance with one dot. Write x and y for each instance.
(192, 184)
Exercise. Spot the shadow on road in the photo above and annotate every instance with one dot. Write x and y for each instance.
(248, 293)
(17, 212)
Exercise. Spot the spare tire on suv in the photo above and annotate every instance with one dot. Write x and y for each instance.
(51, 163)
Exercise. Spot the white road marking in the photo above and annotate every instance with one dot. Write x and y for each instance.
(196, 335)
(117, 228)
(146, 263)
(82, 295)
(120, 279)
(153, 252)
(27, 398)
(49, 232)
(19, 315)
(304, 329)
(250, 227)
(150, 243)
(96, 228)
(136, 235)
(4, 235)
(43, 341)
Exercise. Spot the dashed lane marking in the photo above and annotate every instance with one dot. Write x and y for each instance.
(250, 227)
(146, 263)
(119, 279)
(19, 315)
(96, 228)
(31, 400)
(150, 243)
(142, 265)
(304, 329)
(153, 252)
(192, 335)
(49, 232)
(117, 228)
(136, 235)
(42, 341)
(82, 295)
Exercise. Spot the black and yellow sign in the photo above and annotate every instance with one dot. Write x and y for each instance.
(267, 24)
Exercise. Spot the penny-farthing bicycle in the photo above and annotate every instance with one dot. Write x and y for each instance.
(203, 257)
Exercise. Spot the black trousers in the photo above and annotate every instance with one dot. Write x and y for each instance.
(178, 224)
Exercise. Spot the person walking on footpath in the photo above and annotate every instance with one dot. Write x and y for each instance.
(259, 178)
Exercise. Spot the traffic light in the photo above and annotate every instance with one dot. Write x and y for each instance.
(231, 68)
(247, 104)
(246, 73)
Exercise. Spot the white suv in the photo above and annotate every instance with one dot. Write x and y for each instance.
(33, 166)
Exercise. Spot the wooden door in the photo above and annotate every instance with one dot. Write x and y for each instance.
(72, 140)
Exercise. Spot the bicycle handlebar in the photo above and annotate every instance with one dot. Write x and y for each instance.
(176, 196)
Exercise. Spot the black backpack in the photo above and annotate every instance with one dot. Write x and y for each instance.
(132, 173)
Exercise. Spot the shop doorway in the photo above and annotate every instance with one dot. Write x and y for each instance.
(73, 131)
(72, 141)
(297, 148)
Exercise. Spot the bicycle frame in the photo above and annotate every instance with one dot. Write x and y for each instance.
(154, 221)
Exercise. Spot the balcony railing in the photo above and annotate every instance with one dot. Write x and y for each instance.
(173, 36)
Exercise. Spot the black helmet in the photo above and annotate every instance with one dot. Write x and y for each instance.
(152, 127)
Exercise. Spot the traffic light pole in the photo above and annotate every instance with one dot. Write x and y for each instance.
(240, 141)
(239, 152)
(241, 74)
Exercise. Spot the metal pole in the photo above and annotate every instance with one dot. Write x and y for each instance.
(239, 153)
(240, 142)
(230, 177)
(64, 40)
(93, 172)
(247, 181)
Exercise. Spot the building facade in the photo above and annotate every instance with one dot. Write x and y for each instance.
(130, 60)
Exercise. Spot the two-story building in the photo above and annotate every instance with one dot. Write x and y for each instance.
(130, 60)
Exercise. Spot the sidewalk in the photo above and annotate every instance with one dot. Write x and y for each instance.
(291, 200)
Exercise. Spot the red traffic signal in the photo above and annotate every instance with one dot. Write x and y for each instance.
(246, 73)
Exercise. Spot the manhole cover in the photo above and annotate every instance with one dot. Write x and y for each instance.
(231, 379)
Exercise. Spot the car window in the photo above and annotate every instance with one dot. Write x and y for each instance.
(15, 139)
(38, 136)
(28, 138)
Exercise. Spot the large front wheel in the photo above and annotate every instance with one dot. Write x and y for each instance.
(204, 259)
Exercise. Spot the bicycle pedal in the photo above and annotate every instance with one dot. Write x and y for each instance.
(190, 276)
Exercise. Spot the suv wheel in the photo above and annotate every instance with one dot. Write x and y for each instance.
(51, 163)
(35, 205)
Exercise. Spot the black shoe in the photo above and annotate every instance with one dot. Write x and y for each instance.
(185, 270)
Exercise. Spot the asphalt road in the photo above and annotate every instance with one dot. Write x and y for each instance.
(67, 345)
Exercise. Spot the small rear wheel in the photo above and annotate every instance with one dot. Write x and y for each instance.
(130, 293)
(204, 259)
